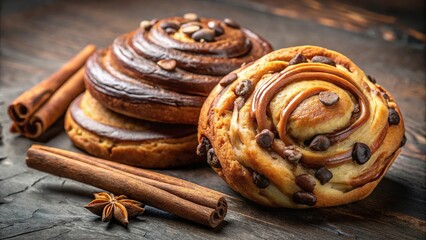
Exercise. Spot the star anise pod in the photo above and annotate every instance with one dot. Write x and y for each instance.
(109, 206)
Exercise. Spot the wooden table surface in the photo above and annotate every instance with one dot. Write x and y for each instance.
(36, 39)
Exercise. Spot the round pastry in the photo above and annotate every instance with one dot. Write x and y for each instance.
(109, 135)
(164, 70)
(301, 127)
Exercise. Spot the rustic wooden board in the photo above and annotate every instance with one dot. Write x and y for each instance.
(36, 39)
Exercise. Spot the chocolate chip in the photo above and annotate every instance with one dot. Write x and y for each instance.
(190, 29)
(361, 153)
(386, 96)
(328, 98)
(372, 79)
(212, 159)
(292, 154)
(323, 175)
(171, 24)
(231, 23)
(218, 30)
(260, 180)
(320, 143)
(239, 102)
(215, 26)
(203, 146)
(305, 182)
(170, 30)
(305, 198)
(265, 138)
(201, 150)
(145, 24)
(203, 35)
(228, 79)
(191, 16)
(393, 117)
(167, 64)
(322, 59)
(403, 141)
(207, 143)
(243, 88)
(299, 58)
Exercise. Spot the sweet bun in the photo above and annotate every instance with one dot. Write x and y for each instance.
(164, 70)
(106, 134)
(301, 127)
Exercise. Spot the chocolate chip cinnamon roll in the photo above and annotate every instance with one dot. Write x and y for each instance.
(163, 71)
(301, 127)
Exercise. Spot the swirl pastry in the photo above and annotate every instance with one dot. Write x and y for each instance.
(167, 67)
(301, 127)
(109, 135)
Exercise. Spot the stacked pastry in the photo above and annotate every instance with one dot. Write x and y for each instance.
(301, 127)
(145, 91)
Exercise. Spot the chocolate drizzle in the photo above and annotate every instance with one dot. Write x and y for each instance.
(306, 72)
(375, 171)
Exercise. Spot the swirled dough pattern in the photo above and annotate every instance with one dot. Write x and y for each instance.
(301, 127)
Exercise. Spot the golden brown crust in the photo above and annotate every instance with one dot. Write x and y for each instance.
(231, 130)
(154, 150)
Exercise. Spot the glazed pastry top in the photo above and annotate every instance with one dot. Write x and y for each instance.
(174, 61)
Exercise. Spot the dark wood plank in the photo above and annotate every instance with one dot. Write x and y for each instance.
(390, 20)
(36, 40)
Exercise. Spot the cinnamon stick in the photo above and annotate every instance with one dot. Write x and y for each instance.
(54, 107)
(132, 170)
(184, 189)
(183, 199)
(27, 103)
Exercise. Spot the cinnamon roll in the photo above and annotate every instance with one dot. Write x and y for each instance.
(301, 127)
(109, 135)
(164, 70)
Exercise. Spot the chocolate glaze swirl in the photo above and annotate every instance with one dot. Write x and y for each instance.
(103, 77)
(308, 72)
(128, 69)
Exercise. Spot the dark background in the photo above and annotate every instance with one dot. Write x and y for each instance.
(385, 38)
